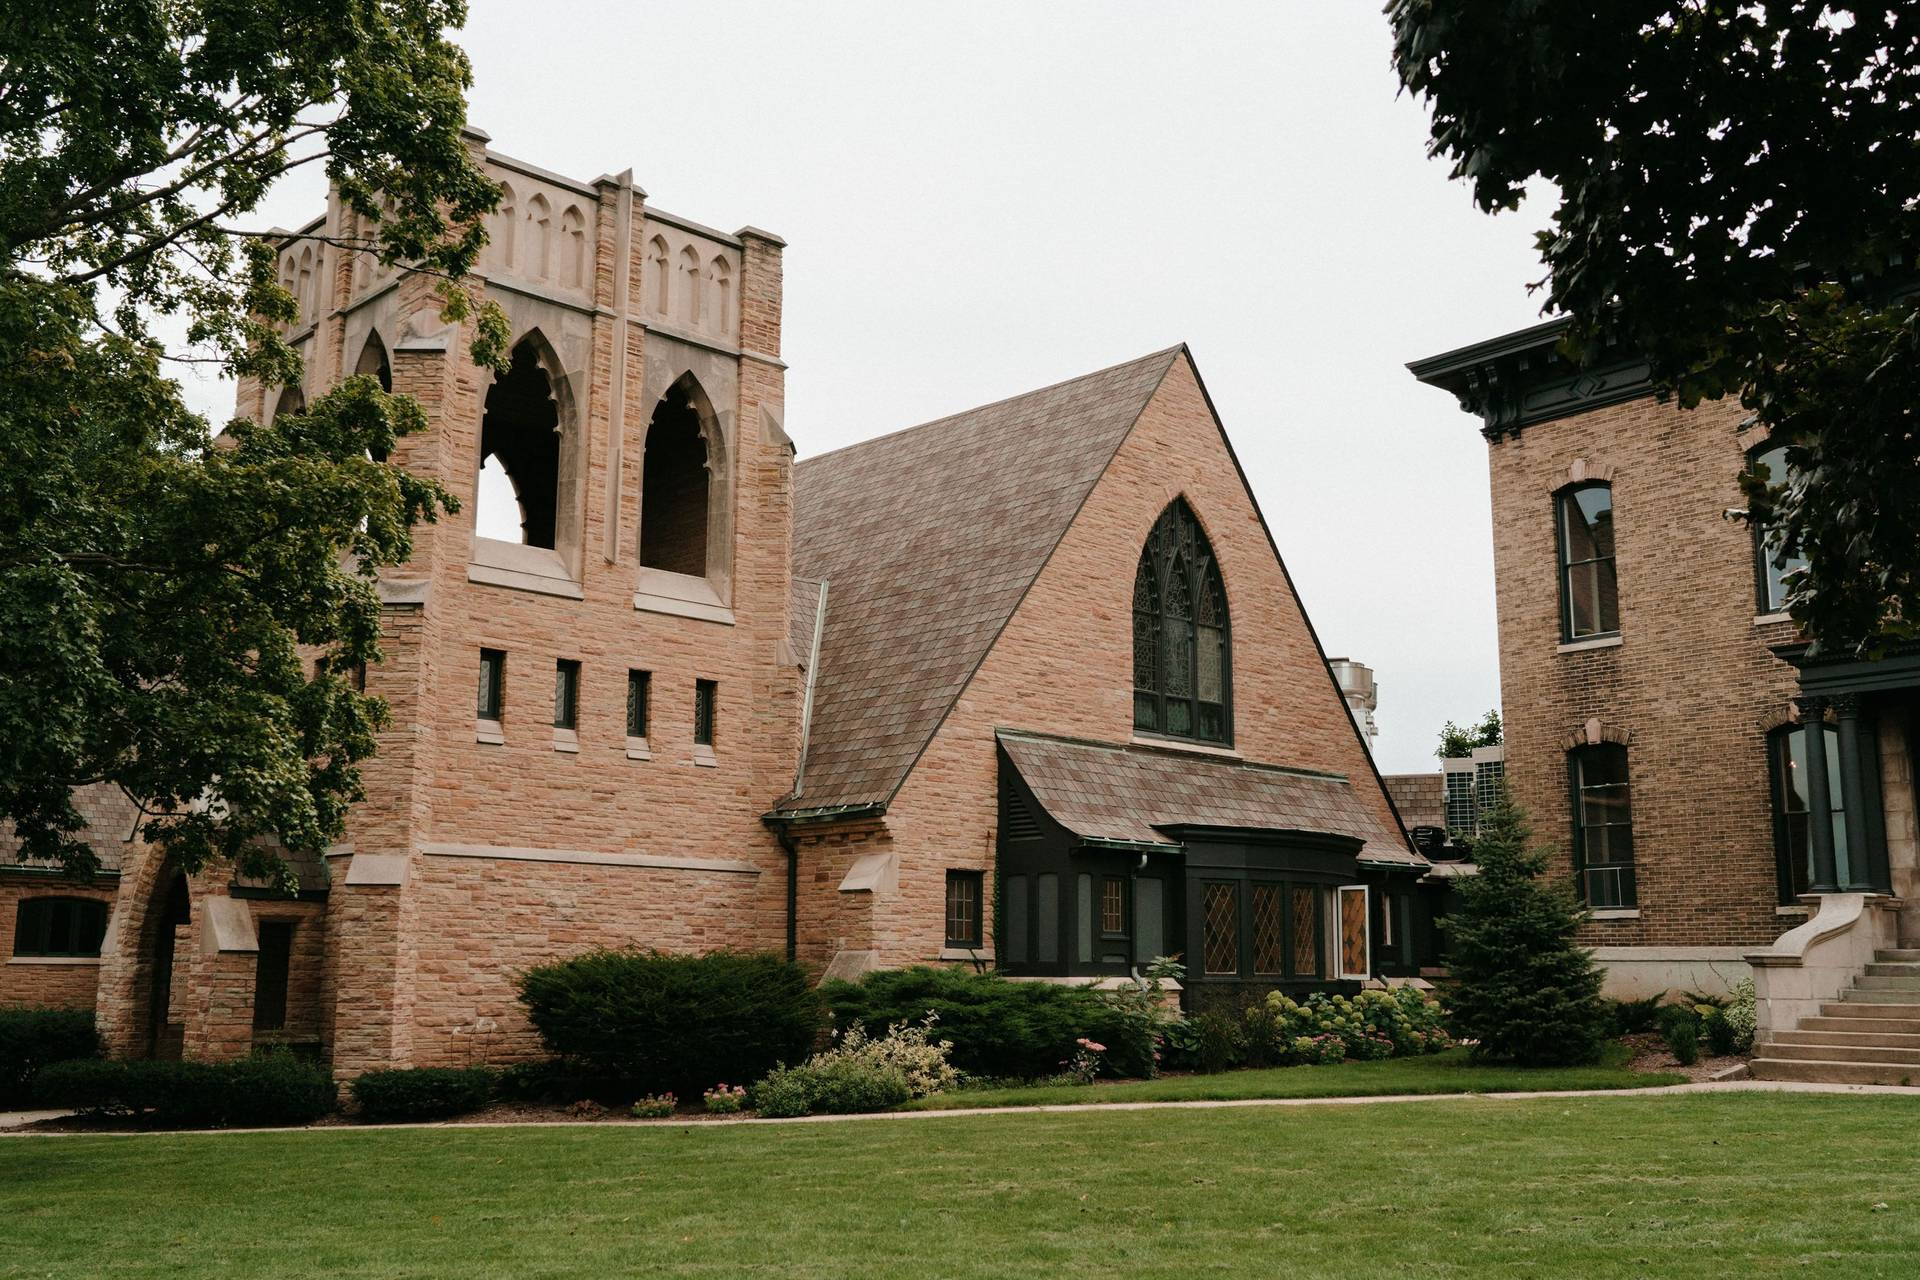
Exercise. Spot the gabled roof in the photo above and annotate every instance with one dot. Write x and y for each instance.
(928, 539)
(1132, 794)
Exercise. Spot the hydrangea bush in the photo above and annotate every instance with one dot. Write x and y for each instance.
(1369, 1026)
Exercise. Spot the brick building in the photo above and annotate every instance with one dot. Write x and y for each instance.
(1026, 686)
(1658, 701)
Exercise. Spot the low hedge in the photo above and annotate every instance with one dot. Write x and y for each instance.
(268, 1089)
(998, 1028)
(422, 1093)
(32, 1038)
(672, 1023)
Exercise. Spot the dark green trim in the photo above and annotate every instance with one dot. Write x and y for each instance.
(1521, 378)
(1825, 676)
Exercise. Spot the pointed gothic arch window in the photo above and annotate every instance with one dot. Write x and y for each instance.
(505, 222)
(519, 492)
(690, 300)
(539, 238)
(573, 249)
(1182, 652)
(675, 488)
(662, 268)
(722, 297)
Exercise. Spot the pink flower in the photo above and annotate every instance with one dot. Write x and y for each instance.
(1090, 1046)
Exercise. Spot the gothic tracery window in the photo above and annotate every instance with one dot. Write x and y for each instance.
(1182, 657)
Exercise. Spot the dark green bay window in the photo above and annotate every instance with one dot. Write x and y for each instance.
(1602, 825)
(65, 928)
(1589, 590)
(1182, 655)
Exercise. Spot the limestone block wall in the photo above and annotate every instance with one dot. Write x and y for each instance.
(1064, 664)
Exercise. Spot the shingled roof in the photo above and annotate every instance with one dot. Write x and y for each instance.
(928, 540)
(1101, 791)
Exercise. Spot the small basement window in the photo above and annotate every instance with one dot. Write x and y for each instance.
(59, 927)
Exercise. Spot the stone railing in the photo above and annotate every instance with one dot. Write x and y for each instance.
(1811, 965)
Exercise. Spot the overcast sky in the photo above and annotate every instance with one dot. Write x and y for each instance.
(983, 199)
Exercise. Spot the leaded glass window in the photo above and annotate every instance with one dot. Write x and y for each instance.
(1220, 922)
(1182, 654)
(1269, 951)
(1306, 932)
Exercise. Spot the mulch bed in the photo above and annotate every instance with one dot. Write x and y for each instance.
(1650, 1053)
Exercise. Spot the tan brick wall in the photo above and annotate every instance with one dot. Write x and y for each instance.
(1064, 664)
(66, 984)
(1691, 683)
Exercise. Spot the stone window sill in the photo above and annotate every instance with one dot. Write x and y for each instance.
(680, 595)
(93, 961)
(1182, 744)
(566, 740)
(1772, 619)
(1617, 913)
(703, 756)
(637, 749)
(522, 568)
(1595, 642)
(967, 953)
(1790, 911)
(488, 731)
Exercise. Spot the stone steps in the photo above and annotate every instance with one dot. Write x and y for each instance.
(1829, 1072)
(1871, 1035)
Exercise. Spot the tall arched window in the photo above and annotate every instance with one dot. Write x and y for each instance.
(573, 249)
(1792, 810)
(722, 297)
(520, 456)
(690, 299)
(675, 502)
(540, 237)
(662, 268)
(505, 222)
(1770, 565)
(1589, 591)
(1182, 653)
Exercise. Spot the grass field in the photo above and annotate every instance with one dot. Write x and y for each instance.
(1694, 1186)
(1448, 1072)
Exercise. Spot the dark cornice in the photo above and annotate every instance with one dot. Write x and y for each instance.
(1521, 378)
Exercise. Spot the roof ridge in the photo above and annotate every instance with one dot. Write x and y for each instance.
(897, 432)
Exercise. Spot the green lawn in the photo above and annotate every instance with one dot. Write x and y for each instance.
(1681, 1186)
(1448, 1072)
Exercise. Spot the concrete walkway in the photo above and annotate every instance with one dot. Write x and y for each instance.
(1704, 1088)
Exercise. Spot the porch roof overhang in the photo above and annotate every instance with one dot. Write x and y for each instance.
(1153, 799)
(1828, 675)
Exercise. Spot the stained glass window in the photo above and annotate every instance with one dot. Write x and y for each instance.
(1182, 658)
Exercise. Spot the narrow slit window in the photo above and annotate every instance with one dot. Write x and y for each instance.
(1590, 592)
(271, 971)
(637, 688)
(566, 694)
(706, 696)
(1113, 905)
(493, 674)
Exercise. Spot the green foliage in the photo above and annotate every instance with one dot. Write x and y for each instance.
(654, 1107)
(264, 1090)
(1634, 1017)
(1220, 1041)
(1369, 1026)
(422, 1093)
(1721, 1038)
(32, 1038)
(1680, 1027)
(1736, 201)
(1456, 741)
(1521, 987)
(785, 1092)
(1742, 1016)
(998, 1028)
(157, 590)
(672, 1022)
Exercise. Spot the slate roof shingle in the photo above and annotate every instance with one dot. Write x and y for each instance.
(1101, 791)
(928, 539)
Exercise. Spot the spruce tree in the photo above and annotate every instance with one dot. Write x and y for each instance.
(1522, 990)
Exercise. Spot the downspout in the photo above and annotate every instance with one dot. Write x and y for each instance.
(780, 831)
(1133, 935)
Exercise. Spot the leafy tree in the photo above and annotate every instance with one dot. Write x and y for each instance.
(1456, 741)
(1739, 189)
(1521, 989)
(158, 587)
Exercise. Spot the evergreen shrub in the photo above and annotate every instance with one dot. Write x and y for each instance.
(32, 1038)
(422, 1093)
(1523, 991)
(265, 1090)
(672, 1023)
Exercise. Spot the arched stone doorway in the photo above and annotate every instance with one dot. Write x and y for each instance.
(168, 925)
